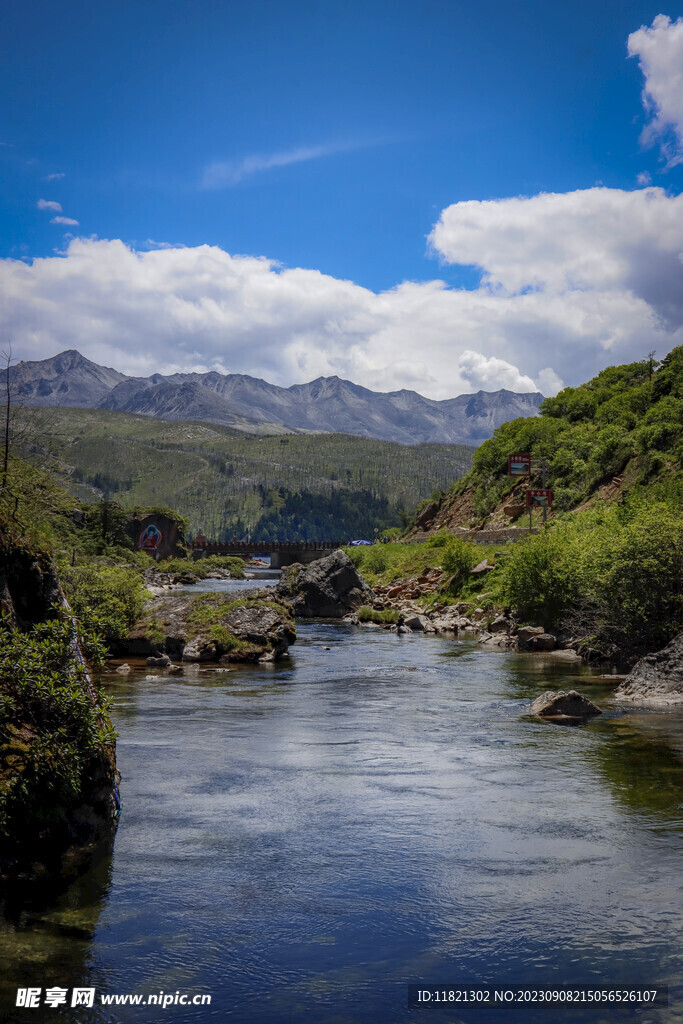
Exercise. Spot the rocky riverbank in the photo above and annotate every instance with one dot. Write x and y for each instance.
(657, 679)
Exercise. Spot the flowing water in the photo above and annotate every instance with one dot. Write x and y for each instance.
(302, 841)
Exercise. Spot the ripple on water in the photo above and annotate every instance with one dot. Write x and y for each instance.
(305, 840)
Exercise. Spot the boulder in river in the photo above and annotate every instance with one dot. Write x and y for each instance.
(162, 661)
(329, 588)
(565, 704)
(212, 627)
(656, 678)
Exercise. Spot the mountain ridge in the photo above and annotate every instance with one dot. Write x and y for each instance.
(328, 404)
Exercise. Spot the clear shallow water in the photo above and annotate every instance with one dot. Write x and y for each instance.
(255, 579)
(303, 840)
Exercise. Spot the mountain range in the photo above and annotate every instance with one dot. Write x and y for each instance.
(247, 403)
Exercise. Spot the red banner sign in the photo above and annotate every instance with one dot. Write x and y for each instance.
(519, 465)
(539, 496)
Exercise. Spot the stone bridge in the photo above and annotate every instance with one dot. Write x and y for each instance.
(281, 552)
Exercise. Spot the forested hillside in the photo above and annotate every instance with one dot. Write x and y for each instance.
(622, 431)
(295, 487)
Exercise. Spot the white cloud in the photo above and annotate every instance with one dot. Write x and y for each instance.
(54, 177)
(49, 204)
(571, 283)
(69, 221)
(492, 374)
(644, 178)
(660, 52)
(221, 174)
(548, 382)
(592, 245)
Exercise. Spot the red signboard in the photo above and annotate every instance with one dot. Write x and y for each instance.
(519, 465)
(539, 496)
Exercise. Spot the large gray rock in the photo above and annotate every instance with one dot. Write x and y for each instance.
(329, 588)
(656, 678)
(263, 626)
(525, 634)
(565, 703)
(211, 627)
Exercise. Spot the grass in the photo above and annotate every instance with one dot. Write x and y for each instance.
(387, 615)
(203, 567)
(390, 563)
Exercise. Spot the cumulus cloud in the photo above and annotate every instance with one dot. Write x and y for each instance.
(598, 243)
(69, 221)
(660, 55)
(222, 174)
(548, 381)
(570, 283)
(49, 204)
(492, 374)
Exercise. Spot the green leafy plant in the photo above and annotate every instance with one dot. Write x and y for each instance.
(56, 739)
(105, 599)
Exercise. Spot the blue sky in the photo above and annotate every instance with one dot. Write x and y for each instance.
(332, 139)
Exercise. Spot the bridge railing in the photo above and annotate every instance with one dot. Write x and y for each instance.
(265, 547)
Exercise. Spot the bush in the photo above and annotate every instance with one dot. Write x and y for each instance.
(536, 579)
(611, 572)
(458, 559)
(105, 599)
(638, 576)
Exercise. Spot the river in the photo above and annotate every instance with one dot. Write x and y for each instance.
(303, 840)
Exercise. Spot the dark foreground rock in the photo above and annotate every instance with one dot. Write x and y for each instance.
(565, 704)
(211, 627)
(329, 588)
(656, 678)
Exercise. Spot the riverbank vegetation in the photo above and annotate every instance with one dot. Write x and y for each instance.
(56, 745)
(189, 571)
(388, 563)
(57, 763)
(610, 574)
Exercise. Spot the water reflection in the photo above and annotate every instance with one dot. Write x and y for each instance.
(642, 758)
(46, 938)
(305, 839)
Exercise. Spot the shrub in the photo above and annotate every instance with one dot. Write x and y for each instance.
(535, 578)
(458, 559)
(638, 578)
(105, 599)
(611, 572)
